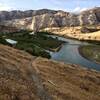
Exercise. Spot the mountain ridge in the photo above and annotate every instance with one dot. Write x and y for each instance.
(50, 18)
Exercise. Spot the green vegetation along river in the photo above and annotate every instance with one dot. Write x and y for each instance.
(35, 44)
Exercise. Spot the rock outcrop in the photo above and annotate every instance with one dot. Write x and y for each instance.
(44, 18)
(24, 77)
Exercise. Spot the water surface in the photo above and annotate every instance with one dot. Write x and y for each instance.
(69, 54)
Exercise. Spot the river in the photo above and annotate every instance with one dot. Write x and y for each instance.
(69, 53)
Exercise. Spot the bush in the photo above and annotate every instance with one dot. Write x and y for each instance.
(37, 51)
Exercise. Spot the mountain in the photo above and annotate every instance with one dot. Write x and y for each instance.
(25, 77)
(39, 19)
(17, 14)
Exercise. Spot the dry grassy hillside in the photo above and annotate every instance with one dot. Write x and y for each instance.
(24, 77)
(75, 32)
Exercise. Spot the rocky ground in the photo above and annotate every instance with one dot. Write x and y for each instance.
(24, 77)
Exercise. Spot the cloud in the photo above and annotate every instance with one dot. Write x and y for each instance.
(79, 9)
(4, 7)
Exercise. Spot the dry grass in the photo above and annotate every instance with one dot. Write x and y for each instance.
(75, 32)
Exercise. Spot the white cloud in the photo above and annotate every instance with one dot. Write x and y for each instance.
(79, 9)
(4, 7)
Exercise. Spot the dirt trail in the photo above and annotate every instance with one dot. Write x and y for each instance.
(40, 91)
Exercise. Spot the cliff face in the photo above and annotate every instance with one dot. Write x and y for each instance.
(39, 19)
(60, 19)
(24, 77)
(63, 19)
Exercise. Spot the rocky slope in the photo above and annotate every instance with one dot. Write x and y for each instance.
(44, 18)
(24, 77)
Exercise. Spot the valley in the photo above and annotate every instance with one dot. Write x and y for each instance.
(58, 48)
(50, 54)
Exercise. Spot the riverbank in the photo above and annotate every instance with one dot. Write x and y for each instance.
(90, 52)
(56, 49)
(95, 36)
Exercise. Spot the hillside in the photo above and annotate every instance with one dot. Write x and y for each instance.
(24, 77)
(75, 32)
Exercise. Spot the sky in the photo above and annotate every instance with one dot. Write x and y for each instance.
(66, 5)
